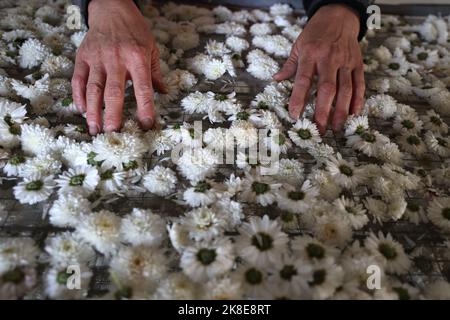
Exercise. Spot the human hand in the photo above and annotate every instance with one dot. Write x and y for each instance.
(118, 46)
(328, 47)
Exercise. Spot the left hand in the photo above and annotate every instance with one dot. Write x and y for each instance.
(328, 47)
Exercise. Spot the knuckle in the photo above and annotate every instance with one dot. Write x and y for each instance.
(94, 88)
(303, 81)
(77, 82)
(327, 87)
(137, 52)
(114, 91)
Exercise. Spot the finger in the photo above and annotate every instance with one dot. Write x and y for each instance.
(344, 98)
(79, 79)
(325, 94)
(289, 69)
(94, 98)
(157, 79)
(302, 85)
(359, 88)
(114, 98)
(143, 91)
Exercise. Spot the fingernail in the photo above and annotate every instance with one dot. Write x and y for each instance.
(147, 123)
(93, 129)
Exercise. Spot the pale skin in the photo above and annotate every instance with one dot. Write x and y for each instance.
(119, 46)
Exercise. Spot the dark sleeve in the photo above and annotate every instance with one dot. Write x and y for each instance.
(83, 5)
(360, 6)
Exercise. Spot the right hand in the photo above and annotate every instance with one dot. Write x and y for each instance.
(118, 46)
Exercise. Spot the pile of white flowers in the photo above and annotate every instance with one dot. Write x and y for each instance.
(308, 230)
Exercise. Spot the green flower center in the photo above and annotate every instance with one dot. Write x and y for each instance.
(16, 160)
(15, 130)
(107, 175)
(220, 97)
(91, 159)
(422, 56)
(318, 277)
(262, 241)
(192, 133)
(262, 105)
(442, 142)
(34, 185)
(260, 187)
(132, 165)
(206, 256)
(350, 210)
(8, 119)
(368, 137)
(67, 102)
(253, 276)
(288, 272)
(360, 130)
(346, 170)
(202, 186)
(436, 120)
(36, 75)
(408, 124)
(242, 115)
(315, 251)
(413, 206)
(402, 293)
(305, 134)
(287, 216)
(123, 293)
(177, 126)
(62, 277)
(236, 56)
(422, 173)
(296, 195)
(446, 213)
(413, 140)
(394, 66)
(14, 276)
(387, 251)
(77, 180)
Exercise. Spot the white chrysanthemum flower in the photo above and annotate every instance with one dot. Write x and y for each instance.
(160, 181)
(36, 139)
(176, 286)
(17, 252)
(407, 124)
(115, 149)
(201, 194)
(276, 45)
(333, 230)
(261, 66)
(158, 142)
(34, 189)
(77, 37)
(44, 164)
(143, 227)
(197, 164)
(56, 283)
(292, 32)
(222, 288)
(11, 112)
(245, 134)
(254, 281)
(305, 134)
(68, 210)
(139, 264)
(261, 241)
(32, 53)
(352, 211)
(421, 55)
(195, 102)
(438, 144)
(261, 190)
(205, 261)
(112, 182)
(439, 212)
(204, 223)
(277, 142)
(381, 106)
(81, 179)
(412, 143)
(356, 125)
(216, 49)
(261, 29)
(101, 230)
(368, 142)
(326, 278)
(312, 250)
(213, 69)
(280, 9)
(433, 122)
(66, 249)
(237, 44)
(57, 66)
(296, 200)
(397, 261)
(345, 173)
(290, 171)
(415, 213)
(186, 41)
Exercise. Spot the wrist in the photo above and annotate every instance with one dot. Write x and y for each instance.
(97, 7)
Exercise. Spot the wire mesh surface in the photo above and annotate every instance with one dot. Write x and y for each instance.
(424, 241)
